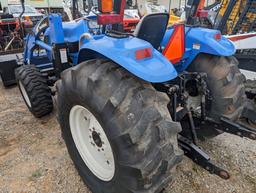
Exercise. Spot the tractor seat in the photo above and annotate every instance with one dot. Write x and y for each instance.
(152, 28)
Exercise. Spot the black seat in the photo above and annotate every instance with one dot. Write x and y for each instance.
(152, 28)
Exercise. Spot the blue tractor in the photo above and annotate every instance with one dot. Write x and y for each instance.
(131, 104)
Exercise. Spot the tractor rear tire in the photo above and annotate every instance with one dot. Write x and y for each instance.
(131, 115)
(226, 85)
(34, 90)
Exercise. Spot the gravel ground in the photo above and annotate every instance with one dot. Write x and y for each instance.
(34, 159)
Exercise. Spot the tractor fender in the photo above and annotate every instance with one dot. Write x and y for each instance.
(201, 40)
(204, 40)
(122, 51)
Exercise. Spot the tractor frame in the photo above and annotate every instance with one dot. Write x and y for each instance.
(54, 47)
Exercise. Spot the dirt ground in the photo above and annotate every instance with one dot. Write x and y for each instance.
(34, 159)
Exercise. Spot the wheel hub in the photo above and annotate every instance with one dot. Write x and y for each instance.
(96, 138)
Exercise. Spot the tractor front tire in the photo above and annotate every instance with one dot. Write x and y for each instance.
(117, 129)
(226, 85)
(34, 90)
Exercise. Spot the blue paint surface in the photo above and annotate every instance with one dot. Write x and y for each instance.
(200, 40)
(123, 51)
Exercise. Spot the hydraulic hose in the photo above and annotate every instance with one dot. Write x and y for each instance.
(20, 17)
(23, 8)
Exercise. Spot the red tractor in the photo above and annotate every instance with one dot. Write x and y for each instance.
(130, 23)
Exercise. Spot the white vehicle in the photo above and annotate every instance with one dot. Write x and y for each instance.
(149, 7)
(31, 12)
(246, 43)
(133, 13)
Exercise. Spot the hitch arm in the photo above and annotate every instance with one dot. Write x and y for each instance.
(237, 129)
(201, 158)
(249, 114)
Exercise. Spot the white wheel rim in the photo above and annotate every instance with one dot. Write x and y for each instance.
(92, 143)
(24, 94)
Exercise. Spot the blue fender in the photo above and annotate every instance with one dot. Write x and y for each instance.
(122, 51)
(200, 40)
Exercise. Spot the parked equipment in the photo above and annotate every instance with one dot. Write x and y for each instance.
(11, 43)
(30, 12)
(128, 104)
(131, 17)
(10, 35)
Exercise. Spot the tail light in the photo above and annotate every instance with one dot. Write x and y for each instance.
(217, 36)
(105, 6)
(143, 54)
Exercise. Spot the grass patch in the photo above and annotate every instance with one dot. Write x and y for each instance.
(36, 174)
